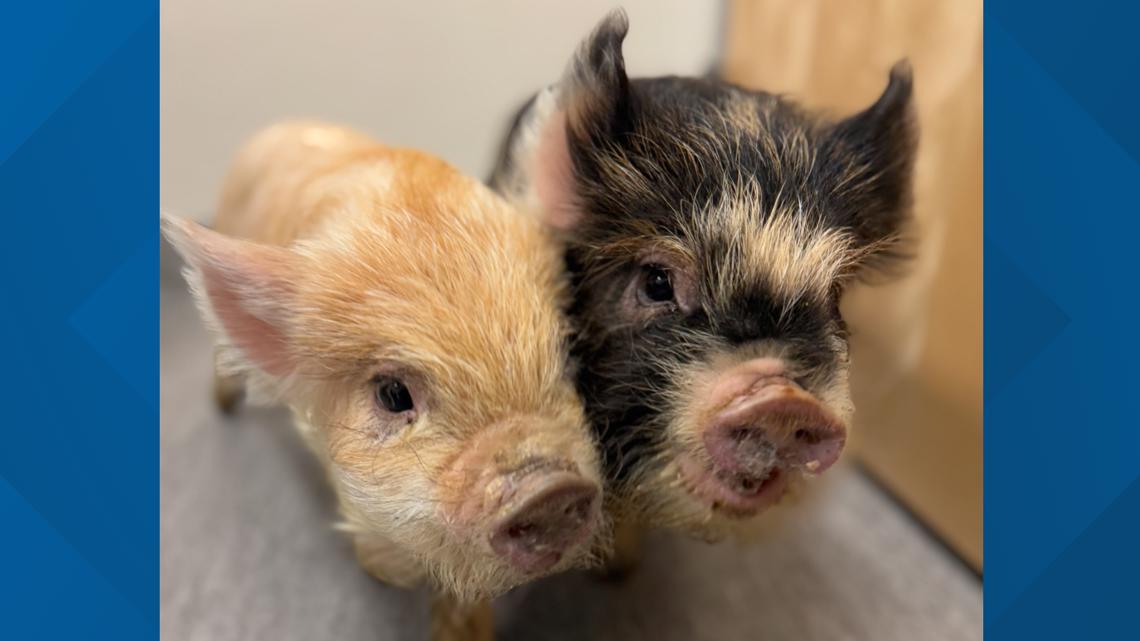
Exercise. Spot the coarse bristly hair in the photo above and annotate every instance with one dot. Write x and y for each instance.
(767, 211)
(335, 261)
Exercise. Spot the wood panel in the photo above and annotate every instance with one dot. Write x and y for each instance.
(917, 345)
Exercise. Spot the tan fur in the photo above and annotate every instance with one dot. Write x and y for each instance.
(453, 620)
(395, 259)
(775, 243)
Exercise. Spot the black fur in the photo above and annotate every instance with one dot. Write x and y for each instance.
(682, 142)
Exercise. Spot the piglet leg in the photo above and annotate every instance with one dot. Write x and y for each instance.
(453, 620)
(228, 389)
(626, 554)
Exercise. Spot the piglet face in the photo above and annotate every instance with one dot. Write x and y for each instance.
(485, 499)
(451, 421)
(711, 232)
(716, 388)
(421, 345)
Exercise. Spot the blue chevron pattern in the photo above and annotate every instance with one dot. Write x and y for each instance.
(1062, 436)
(79, 290)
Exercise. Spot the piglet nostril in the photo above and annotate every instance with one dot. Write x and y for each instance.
(556, 513)
(809, 437)
(578, 511)
(521, 531)
(744, 450)
(774, 425)
(817, 450)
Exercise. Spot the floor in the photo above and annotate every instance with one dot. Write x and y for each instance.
(246, 553)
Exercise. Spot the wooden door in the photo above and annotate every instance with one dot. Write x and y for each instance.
(917, 343)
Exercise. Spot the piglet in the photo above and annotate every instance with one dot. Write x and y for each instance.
(711, 233)
(412, 323)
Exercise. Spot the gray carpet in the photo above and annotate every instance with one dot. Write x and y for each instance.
(247, 554)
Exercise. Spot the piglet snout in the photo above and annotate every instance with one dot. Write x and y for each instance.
(773, 423)
(552, 513)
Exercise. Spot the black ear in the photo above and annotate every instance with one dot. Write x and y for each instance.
(872, 154)
(595, 88)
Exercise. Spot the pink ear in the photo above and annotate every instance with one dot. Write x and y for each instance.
(246, 287)
(592, 96)
(553, 175)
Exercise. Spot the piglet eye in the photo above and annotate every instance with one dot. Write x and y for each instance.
(658, 284)
(393, 395)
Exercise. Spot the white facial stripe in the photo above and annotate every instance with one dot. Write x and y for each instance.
(791, 254)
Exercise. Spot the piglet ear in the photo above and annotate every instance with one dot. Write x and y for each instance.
(595, 88)
(875, 153)
(244, 290)
(588, 107)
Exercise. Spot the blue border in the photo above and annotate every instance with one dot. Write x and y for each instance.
(1062, 445)
(79, 302)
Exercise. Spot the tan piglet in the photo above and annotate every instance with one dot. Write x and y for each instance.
(411, 322)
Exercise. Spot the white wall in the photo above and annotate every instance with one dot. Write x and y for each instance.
(441, 76)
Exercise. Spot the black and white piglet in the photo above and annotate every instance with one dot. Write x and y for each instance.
(711, 233)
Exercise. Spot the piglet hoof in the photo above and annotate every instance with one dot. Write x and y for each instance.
(626, 556)
(452, 620)
(228, 393)
(615, 571)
